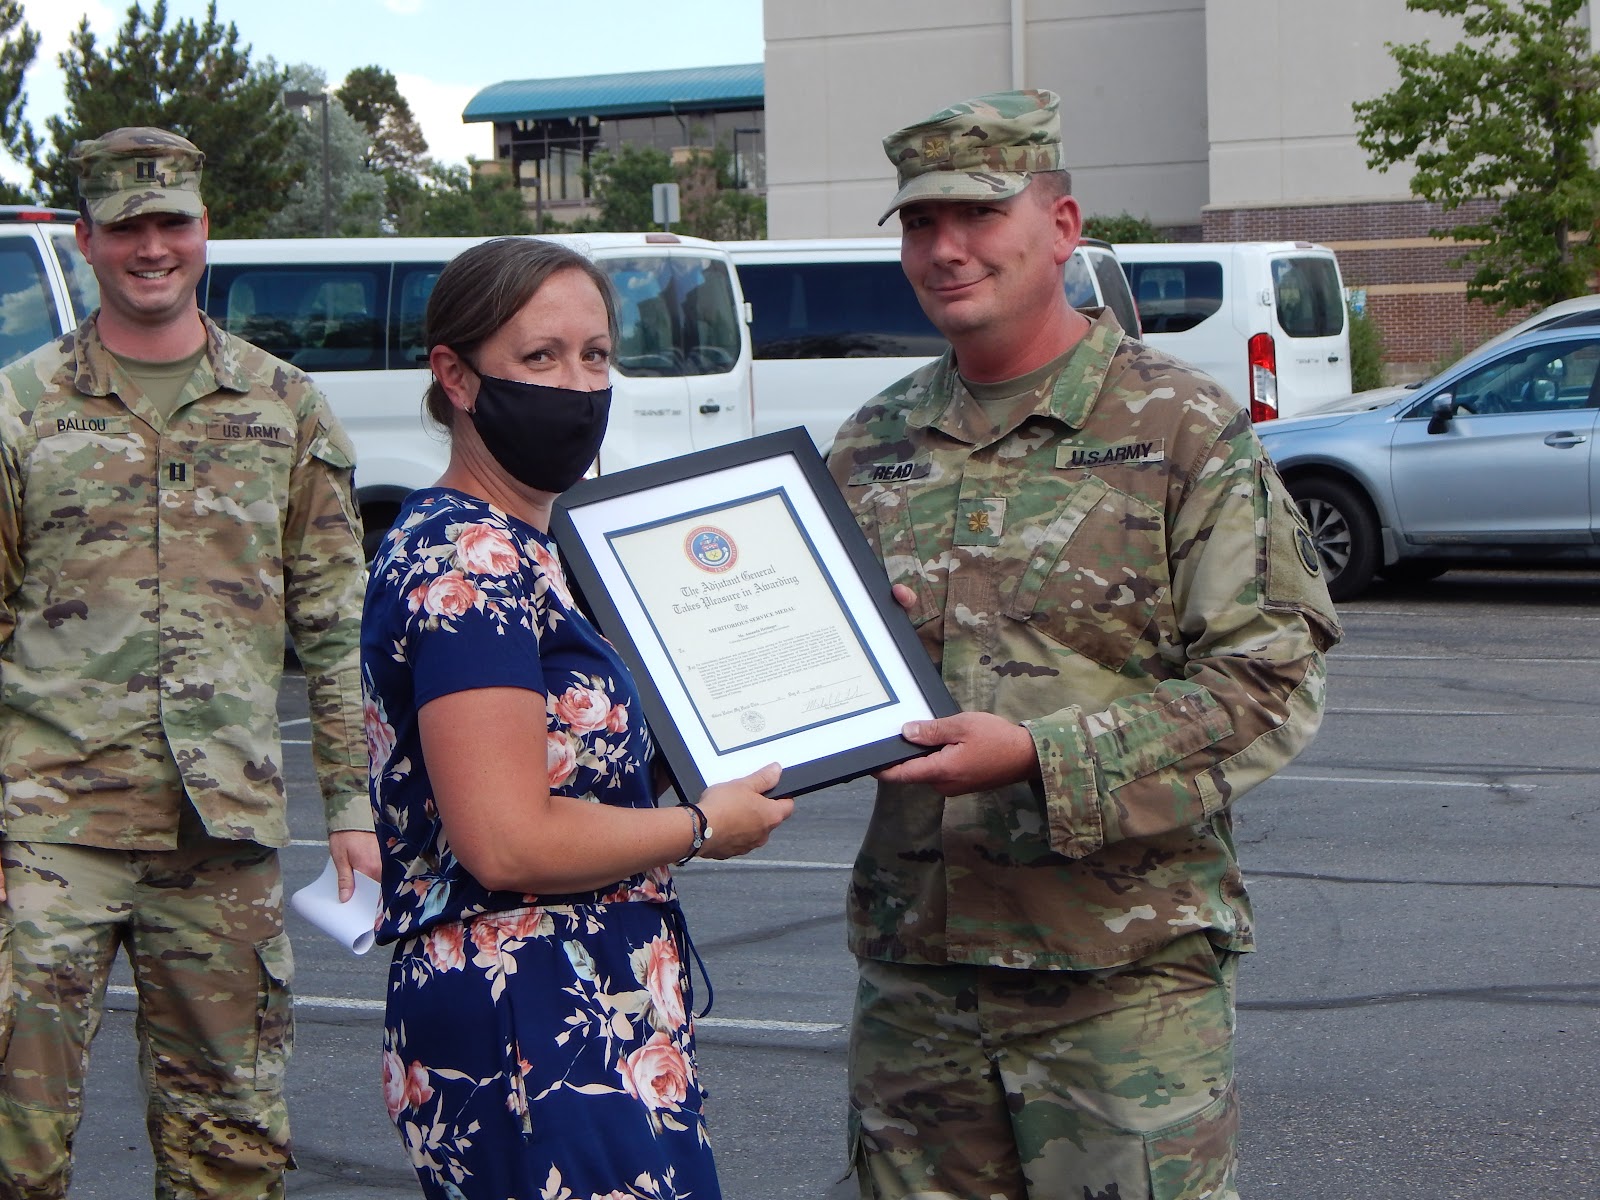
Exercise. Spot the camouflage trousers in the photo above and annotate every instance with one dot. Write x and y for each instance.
(203, 929)
(986, 1083)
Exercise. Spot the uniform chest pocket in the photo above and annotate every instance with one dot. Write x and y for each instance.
(247, 463)
(1096, 576)
(889, 518)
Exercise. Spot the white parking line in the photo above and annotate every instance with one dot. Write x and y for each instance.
(1346, 615)
(1401, 782)
(1413, 712)
(1444, 658)
(347, 1004)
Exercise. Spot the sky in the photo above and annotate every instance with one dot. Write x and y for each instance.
(441, 51)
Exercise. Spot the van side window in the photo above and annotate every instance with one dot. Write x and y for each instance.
(1174, 297)
(318, 318)
(413, 284)
(675, 316)
(82, 287)
(836, 310)
(1309, 301)
(27, 308)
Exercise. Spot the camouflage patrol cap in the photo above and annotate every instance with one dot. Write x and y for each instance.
(985, 148)
(132, 171)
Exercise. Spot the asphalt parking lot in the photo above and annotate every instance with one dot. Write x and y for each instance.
(1420, 1020)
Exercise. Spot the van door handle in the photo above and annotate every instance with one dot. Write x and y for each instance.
(708, 409)
(1565, 440)
(1333, 358)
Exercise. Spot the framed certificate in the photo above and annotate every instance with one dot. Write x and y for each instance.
(756, 619)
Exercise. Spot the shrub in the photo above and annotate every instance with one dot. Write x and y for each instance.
(1124, 227)
(1366, 352)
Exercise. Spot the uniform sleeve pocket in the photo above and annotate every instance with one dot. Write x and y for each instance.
(334, 447)
(274, 1012)
(1293, 569)
(1096, 576)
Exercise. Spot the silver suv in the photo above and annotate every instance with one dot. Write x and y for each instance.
(1489, 462)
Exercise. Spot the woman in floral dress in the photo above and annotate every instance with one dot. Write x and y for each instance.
(537, 1039)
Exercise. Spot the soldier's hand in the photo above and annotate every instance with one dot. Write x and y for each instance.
(976, 752)
(904, 596)
(354, 850)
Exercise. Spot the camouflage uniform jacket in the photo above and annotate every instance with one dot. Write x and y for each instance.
(147, 575)
(1119, 569)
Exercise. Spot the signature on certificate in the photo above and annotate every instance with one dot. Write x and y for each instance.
(830, 700)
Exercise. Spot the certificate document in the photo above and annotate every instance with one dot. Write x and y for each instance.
(750, 620)
(755, 618)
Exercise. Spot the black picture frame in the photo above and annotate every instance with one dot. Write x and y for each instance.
(622, 537)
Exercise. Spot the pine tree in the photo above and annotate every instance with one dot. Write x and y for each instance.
(194, 79)
(18, 46)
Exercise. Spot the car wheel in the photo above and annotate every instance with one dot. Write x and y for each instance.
(1344, 532)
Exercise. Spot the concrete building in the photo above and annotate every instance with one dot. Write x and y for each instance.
(1220, 120)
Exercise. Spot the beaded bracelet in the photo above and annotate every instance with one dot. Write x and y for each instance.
(702, 830)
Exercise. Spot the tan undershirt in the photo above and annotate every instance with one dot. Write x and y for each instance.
(161, 382)
(1001, 399)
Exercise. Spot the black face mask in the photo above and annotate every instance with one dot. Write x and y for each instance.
(545, 437)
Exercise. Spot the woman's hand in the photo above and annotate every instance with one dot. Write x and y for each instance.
(741, 818)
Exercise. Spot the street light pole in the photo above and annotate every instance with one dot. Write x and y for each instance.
(299, 99)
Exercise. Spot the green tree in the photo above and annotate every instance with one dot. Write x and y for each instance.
(1123, 227)
(194, 79)
(712, 204)
(372, 96)
(620, 182)
(1509, 113)
(18, 46)
(395, 148)
(357, 193)
(461, 201)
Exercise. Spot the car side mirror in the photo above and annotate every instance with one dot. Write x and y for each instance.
(1444, 410)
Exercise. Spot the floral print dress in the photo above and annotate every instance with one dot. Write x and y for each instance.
(534, 1046)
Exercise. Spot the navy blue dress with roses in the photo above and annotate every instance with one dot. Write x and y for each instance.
(534, 1046)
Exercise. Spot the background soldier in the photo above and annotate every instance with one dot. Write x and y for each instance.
(171, 500)
(1047, 910)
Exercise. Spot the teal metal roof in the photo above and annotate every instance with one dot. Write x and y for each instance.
(697, 89)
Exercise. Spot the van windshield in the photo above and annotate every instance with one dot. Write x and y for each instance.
(677, 316)
(82, 286)
(27, 306)
(1310, 304)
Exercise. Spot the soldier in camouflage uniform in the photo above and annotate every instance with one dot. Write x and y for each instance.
(1121, 596)
(171, 501)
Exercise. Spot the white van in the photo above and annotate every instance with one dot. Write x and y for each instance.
(349, 311)
(834, 322)
(1264, 319)
(46, 287)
